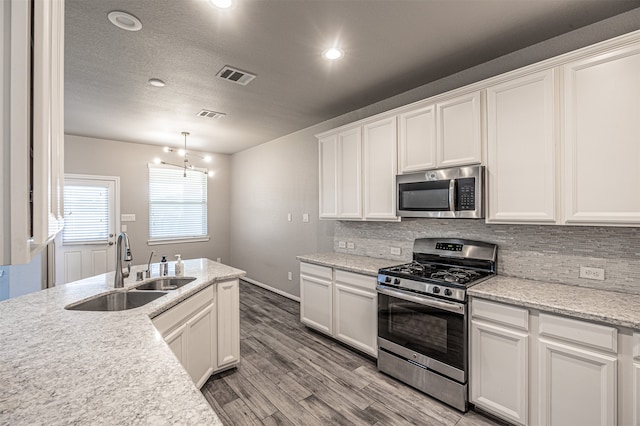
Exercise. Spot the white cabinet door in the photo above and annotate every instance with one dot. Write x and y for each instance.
(459, 131)
(350, 174)
(521, 158)
(417, 139)
(380, 164)
(177, 341)
(576, 386)
(228, 310)
(499, 371)
(200, 359)
(355, 311)
(636, 393)
(316, 299)
(328, 159)
(601, 149)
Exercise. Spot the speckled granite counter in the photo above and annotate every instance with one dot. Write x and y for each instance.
(620, 309)
(73, 367)
(349, 262)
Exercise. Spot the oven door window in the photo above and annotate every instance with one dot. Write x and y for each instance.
(430, 331)
(424, 196)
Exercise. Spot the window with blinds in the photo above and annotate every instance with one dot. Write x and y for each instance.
(86, 214)
(177, 204)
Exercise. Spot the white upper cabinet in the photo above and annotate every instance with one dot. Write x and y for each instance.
(379, 166)
(328, 155)
(358, 170)
(443, 134)
(417, 139)
(601, 145)
(350, 174)
(459, 131)
(521, 150)
(33, 127)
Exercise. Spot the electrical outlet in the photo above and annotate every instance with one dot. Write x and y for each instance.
(290, 276)
(218, 260)
(305, 217)
(592, 273)
(351, 245)
(342, 244)
(395, 250)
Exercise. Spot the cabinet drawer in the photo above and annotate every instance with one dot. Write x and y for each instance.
(586, 333)
(497, 312)
(316, 270)
(174, 317)
(357, 280)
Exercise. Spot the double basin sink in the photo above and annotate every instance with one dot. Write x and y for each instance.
(138, 296)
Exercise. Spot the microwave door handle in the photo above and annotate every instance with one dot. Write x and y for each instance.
(452, 195)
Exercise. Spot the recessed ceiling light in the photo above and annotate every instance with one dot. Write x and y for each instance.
(333, 53)
(222, 4)
(156, 82)
(125, 20)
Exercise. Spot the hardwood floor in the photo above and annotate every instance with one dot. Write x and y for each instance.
(290, 375)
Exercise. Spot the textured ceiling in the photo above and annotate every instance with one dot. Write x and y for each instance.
(391, 46)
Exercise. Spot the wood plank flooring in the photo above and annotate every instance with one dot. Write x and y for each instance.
(291, 375)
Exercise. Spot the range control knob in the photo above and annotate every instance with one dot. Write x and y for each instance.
(448, 292)
(396, 280)
(387, 279)
(436, 290)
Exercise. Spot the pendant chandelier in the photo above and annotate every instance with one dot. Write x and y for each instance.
(186, 164)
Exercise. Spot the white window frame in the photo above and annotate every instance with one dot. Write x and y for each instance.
(177, 240)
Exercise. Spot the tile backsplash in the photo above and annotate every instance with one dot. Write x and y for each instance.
(543, 253)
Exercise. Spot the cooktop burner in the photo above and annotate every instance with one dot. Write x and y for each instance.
(434, 273)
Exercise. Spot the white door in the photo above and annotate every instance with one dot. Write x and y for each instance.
(91, 211)
(380, 165)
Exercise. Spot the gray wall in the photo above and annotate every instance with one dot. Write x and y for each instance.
(281, 176)
(129, 162)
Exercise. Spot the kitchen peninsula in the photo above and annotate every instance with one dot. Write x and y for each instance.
(63, 366)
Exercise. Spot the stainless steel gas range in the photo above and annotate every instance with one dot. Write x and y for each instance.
(422, 315)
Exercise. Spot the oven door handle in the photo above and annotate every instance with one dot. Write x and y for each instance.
(456, 308)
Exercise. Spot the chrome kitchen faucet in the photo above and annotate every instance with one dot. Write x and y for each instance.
(121, 256)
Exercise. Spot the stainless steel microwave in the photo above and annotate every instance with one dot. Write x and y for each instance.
(445, 193)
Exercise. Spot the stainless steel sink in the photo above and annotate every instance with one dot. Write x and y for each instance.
(116, 301)
(165, 283)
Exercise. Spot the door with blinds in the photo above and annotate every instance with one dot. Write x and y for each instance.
(91, 211)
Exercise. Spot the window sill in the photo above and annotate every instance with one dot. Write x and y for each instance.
(178, 240)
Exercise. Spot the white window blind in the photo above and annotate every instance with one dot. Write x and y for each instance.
(177, 204)
(86, 214)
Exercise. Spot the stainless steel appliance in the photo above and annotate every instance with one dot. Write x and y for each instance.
(445, 193)
(422, 315)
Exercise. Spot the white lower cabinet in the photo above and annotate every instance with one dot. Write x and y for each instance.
(500, 360)
(342, 304)
(316, 297)
(355, 310)
(203, 331)
(228, 323)
(636, 393)
(562, 371)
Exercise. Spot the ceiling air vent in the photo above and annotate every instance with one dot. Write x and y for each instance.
(205, 113)
(235, 75)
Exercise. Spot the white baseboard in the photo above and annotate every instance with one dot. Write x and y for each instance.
(272, 289)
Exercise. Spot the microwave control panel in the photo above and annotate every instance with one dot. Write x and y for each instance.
(466, 194)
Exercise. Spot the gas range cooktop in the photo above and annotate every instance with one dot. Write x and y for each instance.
(443, 267)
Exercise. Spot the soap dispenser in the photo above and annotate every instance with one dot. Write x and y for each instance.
(179, 268)
(164, 267)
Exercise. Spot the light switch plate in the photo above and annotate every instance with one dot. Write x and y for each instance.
(305, 217)
(351, 245)
(342, 244)
(128, 217)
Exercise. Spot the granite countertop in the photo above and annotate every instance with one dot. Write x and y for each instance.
(75, 367)
(349, 262)
(610, 307)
